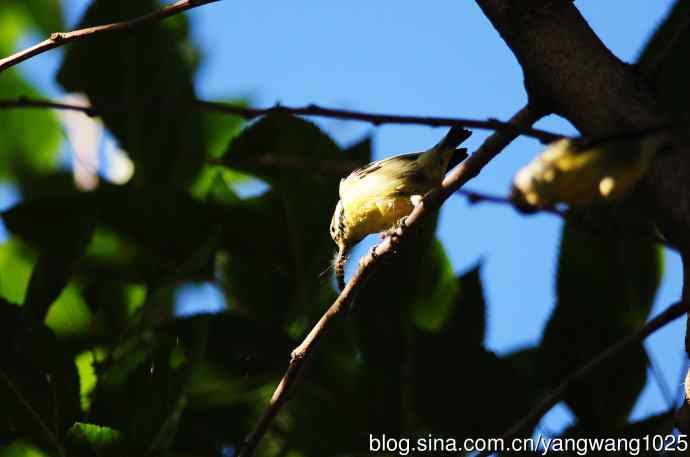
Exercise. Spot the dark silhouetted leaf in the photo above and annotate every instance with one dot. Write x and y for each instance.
(289, 224)
(39, 385)
(143, 72)
(149, 217)
(606, 284)
(437, 288)
(664, 59)
(54, 268)
(462, 393)
(142, 391)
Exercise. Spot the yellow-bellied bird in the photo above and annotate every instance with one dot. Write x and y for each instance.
(375, 197)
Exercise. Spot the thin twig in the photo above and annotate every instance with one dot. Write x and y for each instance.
(35, 416)
(382, 118)
(660, 381)
(669, 314)
(58, 39)
(433, 200)
(308, 110)
(566, 215)
(330, 167)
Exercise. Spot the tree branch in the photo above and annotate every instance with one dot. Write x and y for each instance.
(670, 314)
(58, 39)
(569, 70)
(386, 249)
(308, 110)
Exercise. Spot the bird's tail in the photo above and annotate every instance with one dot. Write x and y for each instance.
(458, 156)
(445, 154)
(455, 136)
(339, 267)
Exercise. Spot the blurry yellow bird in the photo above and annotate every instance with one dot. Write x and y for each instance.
(375, 197)
(574, 172)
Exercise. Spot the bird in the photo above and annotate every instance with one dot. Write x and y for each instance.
(378, 196)
(581, 171)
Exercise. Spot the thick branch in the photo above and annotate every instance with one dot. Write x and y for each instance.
(672, 313)
(58, 39)
(386, 249)
(309, 110)
(568, 69)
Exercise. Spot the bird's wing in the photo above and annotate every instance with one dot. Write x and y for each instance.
(372, 174)
(394, 176)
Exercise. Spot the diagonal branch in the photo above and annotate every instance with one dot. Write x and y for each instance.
(308, 110)
(48, 434)
(58, 39)
(385, 250)
(668, 315)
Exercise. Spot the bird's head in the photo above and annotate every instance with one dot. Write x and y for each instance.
(338, 226)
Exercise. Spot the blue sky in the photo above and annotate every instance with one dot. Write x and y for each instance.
(403, 58)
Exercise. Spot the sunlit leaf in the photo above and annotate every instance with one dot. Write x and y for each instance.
(92, 439)
(46, 15)
(22, 150)
(21, 448)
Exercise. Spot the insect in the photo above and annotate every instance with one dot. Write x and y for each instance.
(375, 197)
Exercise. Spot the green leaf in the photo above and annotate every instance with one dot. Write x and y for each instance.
(471, 394)
(303, 189)
(145, 71)
(39, 385)
(94, 440)
(246, 348)
(87, 375)
(437, 289)
(22, 149)
(45, 14)
(664, 59)
(12, 24)
(460, 299)
(162, 221)
(220, 128)
(20, 448)
(140, 390)
(287, 227)
(360, 151)
(53, 270)
(69, 314)
(606, 285)
(15, 270)
(495, 384)
(228, 391)
(61, 236)
(258, 253)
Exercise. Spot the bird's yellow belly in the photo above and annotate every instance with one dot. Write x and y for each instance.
(376, 216)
